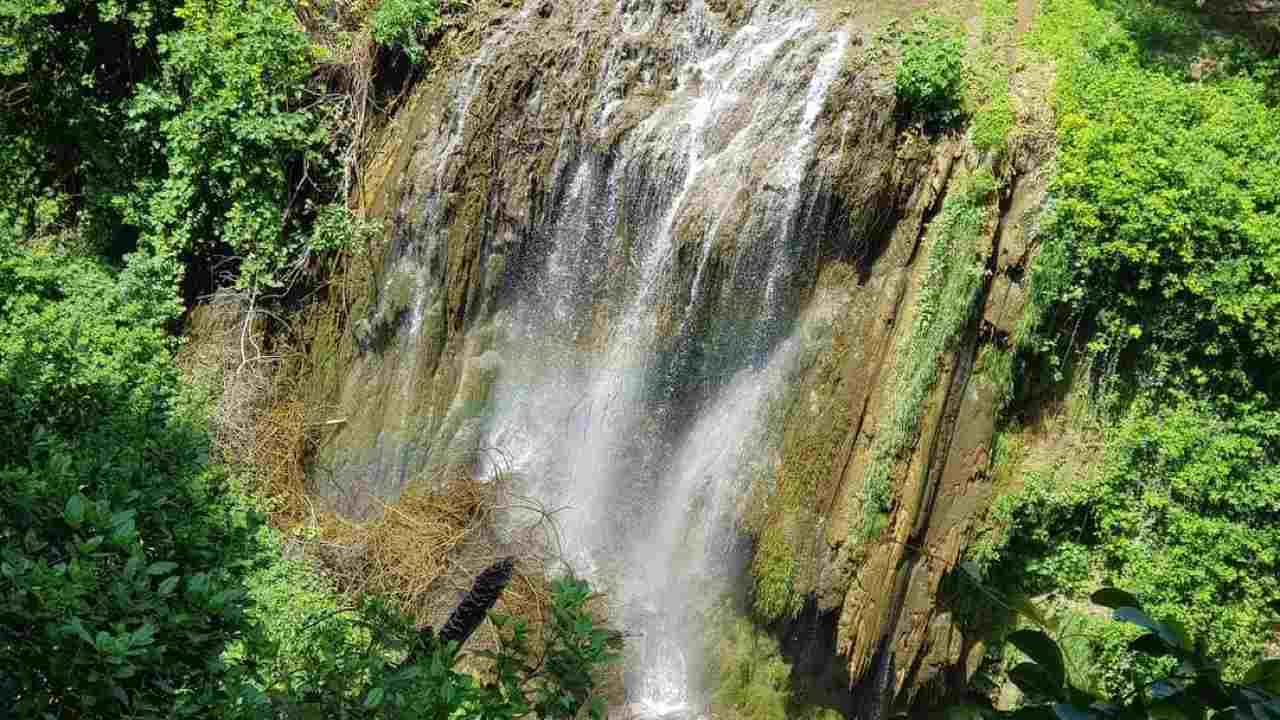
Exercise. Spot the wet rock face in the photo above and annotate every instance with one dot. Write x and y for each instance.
(635, 247)
(636, 169)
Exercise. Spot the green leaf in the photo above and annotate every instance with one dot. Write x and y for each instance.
(1114, 598)
(1150, 644)
(1137, 617)
(375, 697)
(1032, 679)
(144, 635)
(1178, 631)
(73, 512)
(1044, 651)
(1033, 712)
(132, 567)
(123, 532)
(162, 568)
(1265, 675)
(1024, 607)
(169, 585)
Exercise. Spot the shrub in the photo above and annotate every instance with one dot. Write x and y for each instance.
(67, 69)
(120, 555)
(930, 75)
(1181, 510)
(1189, 685)
(227, 108)
(128, 562)
(1163, 234)
(402, 25)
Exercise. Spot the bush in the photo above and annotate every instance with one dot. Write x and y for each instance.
(120, 553)
(930, 75)
(1168, 197)
(1181, 510)
(1189, 685)
(228, 110)
(129, 563)
(67, 69)
(1163, 234)
(402, 25)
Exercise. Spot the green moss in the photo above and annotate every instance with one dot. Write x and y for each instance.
(811, 428)
(994, 367)
(399, 294)
(773, 569)
(746, 674)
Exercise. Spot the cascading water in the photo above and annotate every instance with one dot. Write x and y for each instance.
(657, 314)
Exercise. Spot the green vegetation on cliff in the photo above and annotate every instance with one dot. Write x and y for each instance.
(137, 580)
(942, 311)
(1155, 299)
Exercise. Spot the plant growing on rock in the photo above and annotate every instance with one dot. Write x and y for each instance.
(402, 25)
(930, 78)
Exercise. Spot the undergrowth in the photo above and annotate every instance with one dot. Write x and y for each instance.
(989, 74)
(929, 79)
(1155, 286)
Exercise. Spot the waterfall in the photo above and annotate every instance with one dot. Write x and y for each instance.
(662, 304)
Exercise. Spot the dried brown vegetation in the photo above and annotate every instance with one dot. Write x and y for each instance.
(272, 381)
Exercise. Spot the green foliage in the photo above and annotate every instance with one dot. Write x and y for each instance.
(67, 69)
(746, 675)
(930, 75)
(944, 307)
(193, 132)
(1156, 272)
(1190, 686)
(136, 581)
(228, 110)
(402, 25)
(988, 99)
(354, 664)
(74, 348)
(1164, 230)
(119, 552)
(750, 678)
(807, 436)
(773, 571)
(1181, 510)
(337, 229)
(575, 649)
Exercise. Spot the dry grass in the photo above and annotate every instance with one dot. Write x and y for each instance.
(423, 551)
(262, 424)
(420, 552)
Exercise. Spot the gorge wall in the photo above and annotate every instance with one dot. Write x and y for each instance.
(670, 264)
